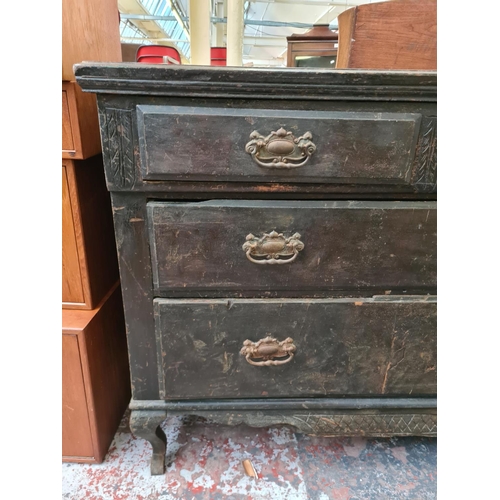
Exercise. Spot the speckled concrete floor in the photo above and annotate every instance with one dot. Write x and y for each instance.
(290, 466)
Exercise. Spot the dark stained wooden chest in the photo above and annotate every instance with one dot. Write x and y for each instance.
(276, 235)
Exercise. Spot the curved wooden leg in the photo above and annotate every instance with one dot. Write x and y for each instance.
(145, 424)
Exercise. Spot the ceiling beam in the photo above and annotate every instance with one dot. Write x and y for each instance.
(250, 41)
(223, 20)
(264, 41)
(151, 29)
(321, 3)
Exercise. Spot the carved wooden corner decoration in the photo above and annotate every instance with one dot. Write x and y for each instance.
(119, 134)
(425, 170)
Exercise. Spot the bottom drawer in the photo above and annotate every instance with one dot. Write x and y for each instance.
(254, 348)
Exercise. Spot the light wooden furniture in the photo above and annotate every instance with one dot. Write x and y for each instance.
(315, 49)
(401, 34)
(80, 125)
(95, 374)
(276, 233)
(90, 32)
(89, 262)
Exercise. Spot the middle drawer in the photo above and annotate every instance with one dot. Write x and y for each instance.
(292, 246)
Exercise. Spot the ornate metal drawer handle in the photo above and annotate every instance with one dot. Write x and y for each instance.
(280, 149)
(271, 247)
(266, 349)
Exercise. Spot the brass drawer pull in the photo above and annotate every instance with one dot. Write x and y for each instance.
(280, 149)
(266, 349)
(271, 247)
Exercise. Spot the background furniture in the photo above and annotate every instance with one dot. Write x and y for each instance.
(129, 51)
(315, 49)
(277, 245)
(401, 34)
(90, 266)
(95, 377)
(80, 135)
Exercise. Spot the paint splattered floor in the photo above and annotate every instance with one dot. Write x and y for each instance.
(290, 466)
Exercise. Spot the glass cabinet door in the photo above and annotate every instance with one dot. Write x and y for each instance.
(315, 61)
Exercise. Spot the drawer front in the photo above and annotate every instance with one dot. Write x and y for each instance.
(219, 246)
(255, 145)
(320, 347)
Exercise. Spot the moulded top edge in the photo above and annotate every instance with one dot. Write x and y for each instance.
(281, 83)
(98, 68)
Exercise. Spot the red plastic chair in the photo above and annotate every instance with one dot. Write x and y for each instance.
(157, 54)
(218, 56)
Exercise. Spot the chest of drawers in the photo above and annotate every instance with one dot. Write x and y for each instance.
(276, 236)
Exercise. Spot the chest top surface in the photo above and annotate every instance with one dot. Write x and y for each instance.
(272, 83)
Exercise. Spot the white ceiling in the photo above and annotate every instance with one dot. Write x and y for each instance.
(267, 45)
(264, 44)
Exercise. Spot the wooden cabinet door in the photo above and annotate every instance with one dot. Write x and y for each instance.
(89, 263)
(72, 289)
(76, 435)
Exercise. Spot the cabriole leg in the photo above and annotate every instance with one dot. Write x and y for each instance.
(145, 424)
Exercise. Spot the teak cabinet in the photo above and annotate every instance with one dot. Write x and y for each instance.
(89, 261)
(94, 369)
(95, 376)
(276, 233)
(80, 125)
(90, 32)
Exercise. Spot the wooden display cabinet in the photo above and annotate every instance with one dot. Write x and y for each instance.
(315, 49)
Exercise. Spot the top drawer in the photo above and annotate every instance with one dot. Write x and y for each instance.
(266, 145)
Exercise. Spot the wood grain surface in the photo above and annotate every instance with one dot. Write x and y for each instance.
(72, 288)
(401, 34)
(81, 138)
(90, 32)
(90, 266)
(96, 385)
